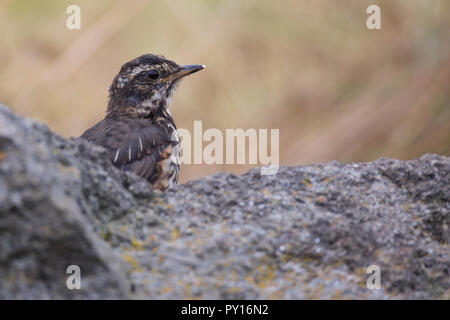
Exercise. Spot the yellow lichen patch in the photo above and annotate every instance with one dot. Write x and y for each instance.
(335, 222)
(321, 200)
(186, 289)
(285, 258)
(220, 277)
(314, 293)
(198, 283)
(72, 170)
(360, 271)
(330, 179)
(128, 258)
(249, 280)
(165, 290)
(267, 192)
(307, 182)
(105, 233)
(2, 155)
(168, 206)
(277, 295)
(233, 290)
(175, 234)
(265, 275)
(361, 274)
(136, 243)
(122, 229)
(234, 275)
(337, 295)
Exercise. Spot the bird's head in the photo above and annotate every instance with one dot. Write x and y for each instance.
(145, 85)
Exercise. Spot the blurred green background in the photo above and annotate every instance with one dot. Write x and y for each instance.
(336, 90)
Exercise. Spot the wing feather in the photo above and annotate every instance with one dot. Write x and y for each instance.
(133, 145)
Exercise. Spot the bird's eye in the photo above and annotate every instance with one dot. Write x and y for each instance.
(153, 74)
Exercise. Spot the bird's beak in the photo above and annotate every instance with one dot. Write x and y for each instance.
(185, 71)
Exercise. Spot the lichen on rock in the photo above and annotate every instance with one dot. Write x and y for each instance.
(307, 232)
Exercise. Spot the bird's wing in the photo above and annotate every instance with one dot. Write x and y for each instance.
(133, 146)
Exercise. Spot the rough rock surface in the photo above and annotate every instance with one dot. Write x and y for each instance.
(307, 232)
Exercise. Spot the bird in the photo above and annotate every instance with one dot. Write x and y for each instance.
(138, 130)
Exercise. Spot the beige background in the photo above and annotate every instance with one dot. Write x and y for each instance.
(336, 90)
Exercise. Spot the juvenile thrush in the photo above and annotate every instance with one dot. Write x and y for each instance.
(138, 130)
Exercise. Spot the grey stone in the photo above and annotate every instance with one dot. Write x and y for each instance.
(307, 232)
(46, 202)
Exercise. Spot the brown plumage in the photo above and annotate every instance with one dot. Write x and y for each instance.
(138, 130)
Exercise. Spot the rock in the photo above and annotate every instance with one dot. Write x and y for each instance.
(307, 232)
(45, 207)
